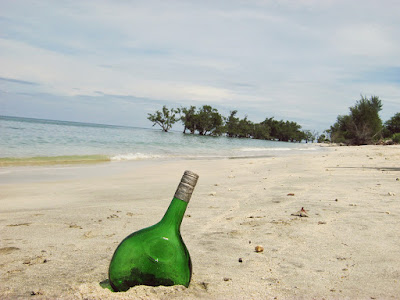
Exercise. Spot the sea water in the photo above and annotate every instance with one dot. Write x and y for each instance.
(37, 140)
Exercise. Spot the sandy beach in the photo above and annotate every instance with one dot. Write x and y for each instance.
(59, 226)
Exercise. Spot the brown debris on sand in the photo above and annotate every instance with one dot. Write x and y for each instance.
(301, 213)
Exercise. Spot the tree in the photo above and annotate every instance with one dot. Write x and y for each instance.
(340, 131)
(289, 131)
(325, 136)
(283, 131)
(188, 118)
(274, 127)
(309, 136)
(392, 126)
(321, 138)
(208, 121)
(366, 124)
(245, 128)
(166, 118)
(362, 126)
(315, 135)
(262, 131)
(232, 124)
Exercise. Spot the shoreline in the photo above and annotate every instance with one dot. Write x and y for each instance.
(58, 229)
(52, 160)
(102, 158)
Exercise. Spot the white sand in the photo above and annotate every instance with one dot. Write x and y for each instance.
(59, 226)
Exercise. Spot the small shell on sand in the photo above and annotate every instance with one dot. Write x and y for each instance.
(259, 248)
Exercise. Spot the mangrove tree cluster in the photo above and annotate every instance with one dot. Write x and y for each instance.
(206, 120)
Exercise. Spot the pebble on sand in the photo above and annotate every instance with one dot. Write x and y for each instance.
(259, 248)
(227, 279)
(37, 292)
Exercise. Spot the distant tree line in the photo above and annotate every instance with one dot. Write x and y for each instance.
(363, 125)
(206, 120)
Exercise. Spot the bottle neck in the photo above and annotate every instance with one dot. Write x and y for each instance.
(174, 214)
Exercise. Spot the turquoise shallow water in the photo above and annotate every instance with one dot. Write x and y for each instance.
(23, 138)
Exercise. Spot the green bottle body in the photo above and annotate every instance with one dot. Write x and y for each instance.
(155, 255)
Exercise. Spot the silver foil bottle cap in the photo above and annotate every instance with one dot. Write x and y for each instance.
(186, 186)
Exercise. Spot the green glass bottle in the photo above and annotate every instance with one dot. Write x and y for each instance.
(156, 255)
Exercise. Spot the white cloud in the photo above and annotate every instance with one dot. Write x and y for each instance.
(290, 58)
(66, 75)
(370, 40)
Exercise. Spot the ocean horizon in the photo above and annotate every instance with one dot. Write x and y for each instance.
(36, 141)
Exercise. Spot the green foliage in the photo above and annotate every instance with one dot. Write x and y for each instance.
(208, 121)
(273, 126)
(188, 118)
(362, 126)
(269, 129)
(262, 131)
(392, 126)
(366, 121)
(284, 131)
(246, 128)
(309, 136)
(341, 130)
(232, 125)
(165, 118)
(396, 138)
(322, 138)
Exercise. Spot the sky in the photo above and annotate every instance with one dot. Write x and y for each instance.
(113, 62)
